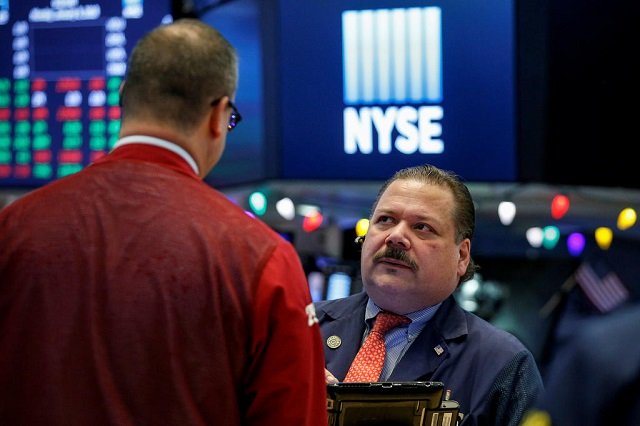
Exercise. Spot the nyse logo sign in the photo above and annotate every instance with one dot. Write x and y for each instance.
(392, 60)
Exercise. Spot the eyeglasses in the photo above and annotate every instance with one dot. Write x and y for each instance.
(235, 116)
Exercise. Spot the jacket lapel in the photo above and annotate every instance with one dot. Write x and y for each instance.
(343, 323)
(430, 348)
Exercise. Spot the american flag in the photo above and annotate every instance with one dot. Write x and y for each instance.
(601, 285)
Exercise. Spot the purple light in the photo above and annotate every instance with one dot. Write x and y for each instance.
(575, 243)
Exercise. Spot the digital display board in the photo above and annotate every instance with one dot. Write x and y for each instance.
(368, 87)
(61, 67)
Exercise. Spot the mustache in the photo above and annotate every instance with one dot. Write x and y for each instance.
(397, 254)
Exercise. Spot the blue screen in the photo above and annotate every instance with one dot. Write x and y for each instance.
(338, 285)
(368, 87)
(61, 66)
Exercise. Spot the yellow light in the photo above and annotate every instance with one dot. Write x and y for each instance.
(362, 226)
(604, 236)
(626, 218)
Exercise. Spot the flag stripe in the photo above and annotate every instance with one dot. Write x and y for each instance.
(605, 293)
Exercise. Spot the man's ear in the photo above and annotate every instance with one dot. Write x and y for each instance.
(218, 117)
(464, 258)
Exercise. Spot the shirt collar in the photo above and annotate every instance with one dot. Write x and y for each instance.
(418, 318)
(170, 146)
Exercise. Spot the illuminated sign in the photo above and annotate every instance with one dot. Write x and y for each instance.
(392, 56)
(367, 87)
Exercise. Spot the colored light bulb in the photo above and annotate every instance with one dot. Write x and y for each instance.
(627, 218)
(559, 206)
(575, 243)
(604, 236)
(362, 226)
(551, 236)
(258, 203)
(312, 221)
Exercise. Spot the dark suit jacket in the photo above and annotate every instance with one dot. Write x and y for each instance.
(490, 373)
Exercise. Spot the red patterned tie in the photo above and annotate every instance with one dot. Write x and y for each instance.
(368, 363)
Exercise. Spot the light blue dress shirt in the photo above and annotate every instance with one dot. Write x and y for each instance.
(398, 340)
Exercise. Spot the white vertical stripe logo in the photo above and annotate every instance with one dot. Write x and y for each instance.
(392, 56)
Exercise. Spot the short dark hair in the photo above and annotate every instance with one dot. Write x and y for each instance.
(464, 212)
(176, 71)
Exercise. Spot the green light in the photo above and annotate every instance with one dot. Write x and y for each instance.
(72, 128)
(113, 84)
(21, 142)
(22, 101)
(5, 128)
(114, 127)
(40, 127)
(23, 157)
(97, 127)
(4, 100)
(21, 85)
(41, 142)
(113, 99)
(23, 128)
(551, 236)
(5, 85)
(68, 169)
(71, 142)
(42, 171)
(97, 143)
(5, 142)
(258, 203)
(5, 157)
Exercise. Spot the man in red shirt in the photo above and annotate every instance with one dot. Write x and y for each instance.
(132, 293)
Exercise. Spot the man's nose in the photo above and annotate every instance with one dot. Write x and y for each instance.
(398, 237)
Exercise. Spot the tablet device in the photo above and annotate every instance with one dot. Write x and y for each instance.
(417, 403)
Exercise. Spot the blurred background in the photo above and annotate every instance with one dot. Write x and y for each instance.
(535, 106)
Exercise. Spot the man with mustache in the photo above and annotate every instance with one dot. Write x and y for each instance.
(417, 251)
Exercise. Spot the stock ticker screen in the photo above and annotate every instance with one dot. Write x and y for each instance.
(61, 67)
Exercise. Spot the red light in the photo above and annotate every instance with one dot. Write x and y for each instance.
(96, 83)
(70, 156)
(22, 171)
(68, 84)
(559, 206)
(42, 156)
(5, 170)
(114, 113)
(41, 113)
(22, 114)
(38, 84)
(97, 113)
(312, 221)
